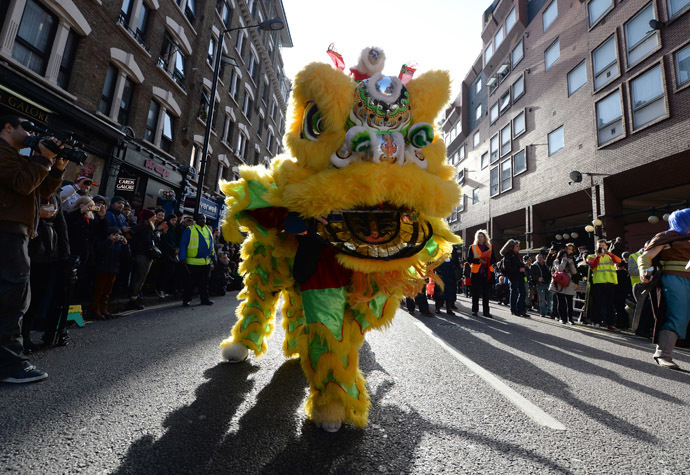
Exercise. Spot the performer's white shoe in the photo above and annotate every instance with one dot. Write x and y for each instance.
(234, 353)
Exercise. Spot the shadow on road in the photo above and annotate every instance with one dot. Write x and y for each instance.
(515, 369)
(273, 438)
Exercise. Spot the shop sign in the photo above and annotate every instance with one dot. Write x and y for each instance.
(161, 170)
(126, 184)
(23, 106)
(209, 208)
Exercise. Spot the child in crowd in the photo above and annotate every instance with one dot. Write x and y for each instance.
(109, 252)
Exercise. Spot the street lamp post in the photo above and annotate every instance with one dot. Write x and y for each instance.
(273, 24)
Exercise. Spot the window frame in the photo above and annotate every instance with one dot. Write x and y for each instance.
(501, 108)
(618, 90)
(476, 140)
(510, 139)
(478, 112)
(498, 182)
(497, 44)
(490, 47)
(493, 119)
(524, 152)
(601, 17)
(679, 87)
(522, 113)
(67, 62)
(155, 125)
(111, 97)
(509, 161)
(521, 44)
(672, 16)
(544, 25)
(511, 12)
(646, 37)
(512, 88)
(555, 42)
(493, 160)
(166, 142)
(548, 140)
(581, 63)
(664, 96)
(32, 49)
(484, 162)
(613, 36)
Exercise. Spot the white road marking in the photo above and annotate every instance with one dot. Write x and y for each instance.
(531, 410)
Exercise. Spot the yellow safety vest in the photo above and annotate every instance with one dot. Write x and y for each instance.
(477, 253)
(635, 279)
(193, 246)
(605, 273)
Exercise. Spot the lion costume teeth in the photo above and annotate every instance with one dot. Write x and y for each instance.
(343, 225)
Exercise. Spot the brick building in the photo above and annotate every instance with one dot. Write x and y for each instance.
(132, 79)
(601, 87)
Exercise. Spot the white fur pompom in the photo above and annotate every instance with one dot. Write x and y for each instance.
(234, 352)
(371, 60)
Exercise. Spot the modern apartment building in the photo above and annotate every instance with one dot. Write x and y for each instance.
(601, 87)
(132, 80)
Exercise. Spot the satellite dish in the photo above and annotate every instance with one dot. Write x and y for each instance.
(575, 176)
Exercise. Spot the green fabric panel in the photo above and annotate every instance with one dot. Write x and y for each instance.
(259, 248)
(247, 320)
(361, 319)
(256, 337)
(262, 274)
(376, 305)
(256, 193)
(317, 347)
(326, 306)
(431, 247)
(292, 326)
(351, 390)
(266, 312)
(260, 292)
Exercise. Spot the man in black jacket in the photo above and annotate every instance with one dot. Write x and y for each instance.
(23, 182)
(541, 277)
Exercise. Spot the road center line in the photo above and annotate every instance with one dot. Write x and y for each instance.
(531, 410)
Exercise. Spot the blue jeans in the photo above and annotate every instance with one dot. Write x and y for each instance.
(517, 295)
(677, 294)
(545, 298)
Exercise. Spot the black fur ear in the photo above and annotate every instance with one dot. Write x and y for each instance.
(310, 128)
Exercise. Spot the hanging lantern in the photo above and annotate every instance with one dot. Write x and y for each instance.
(653, 219)
(666, 216)
(589, 228)
(566, 236)
(558, 237)
(575, 235)
(597, 222)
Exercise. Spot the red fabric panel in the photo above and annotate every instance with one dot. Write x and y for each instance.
(329, 273)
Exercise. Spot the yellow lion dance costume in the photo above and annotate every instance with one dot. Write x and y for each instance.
(341, 227)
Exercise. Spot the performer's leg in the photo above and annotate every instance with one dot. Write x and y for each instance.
(293, 321)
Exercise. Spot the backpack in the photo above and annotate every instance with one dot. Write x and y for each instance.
(561, 278)
(500, 266)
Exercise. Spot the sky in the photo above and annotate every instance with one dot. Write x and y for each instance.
(437, 34)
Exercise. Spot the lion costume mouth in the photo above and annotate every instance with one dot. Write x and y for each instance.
(380, 232)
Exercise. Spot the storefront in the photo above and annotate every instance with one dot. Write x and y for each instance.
(145, 179)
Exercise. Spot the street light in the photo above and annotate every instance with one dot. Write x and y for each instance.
(274, 24)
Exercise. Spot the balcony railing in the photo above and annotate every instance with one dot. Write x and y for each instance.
(137, 35)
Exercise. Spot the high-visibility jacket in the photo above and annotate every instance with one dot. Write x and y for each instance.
(605, 273)
(634, 274)
(193, 247)
(477, 254)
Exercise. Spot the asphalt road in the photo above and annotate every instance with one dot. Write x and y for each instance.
(147, 394)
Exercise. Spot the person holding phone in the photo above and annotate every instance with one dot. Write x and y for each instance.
(604, 281)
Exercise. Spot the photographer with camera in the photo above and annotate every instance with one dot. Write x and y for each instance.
(23, 182)
(603, 285)
(70, 192)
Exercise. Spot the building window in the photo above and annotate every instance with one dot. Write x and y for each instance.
(461, 153)
(241, 145)
(517, 54)
(518, 88)
(506, 175)
(519, 124)
(488, 53)
(682, 61)
(493, 113)
(475, 140)
(228, 127)
(233, 84)
(605, 62)
(478, 112)
(500, 36)
(108, 90)
(494, 182)
(640, 39)
(552, 54)
(676, 6)
(247, 105)
(152, 121)
(504, 102)
(224, 11)
(35, 37)
(577, 78)
(167, 134)
(478, 86)
(190, 10)
(484, 160)
(647, 97)
(493, 148)
(519, 162)
(211, 51)
(475, 196)
(143, 23)
(609, 118)
(511, 20)
(556, 140)
(505, 140)
(550, 14)
(597, 9)
(68, 60)
(260, 127)
(125, 102)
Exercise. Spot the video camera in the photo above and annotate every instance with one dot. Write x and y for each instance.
(66, 137)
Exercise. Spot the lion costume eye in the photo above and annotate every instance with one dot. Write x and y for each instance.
(311, 122)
